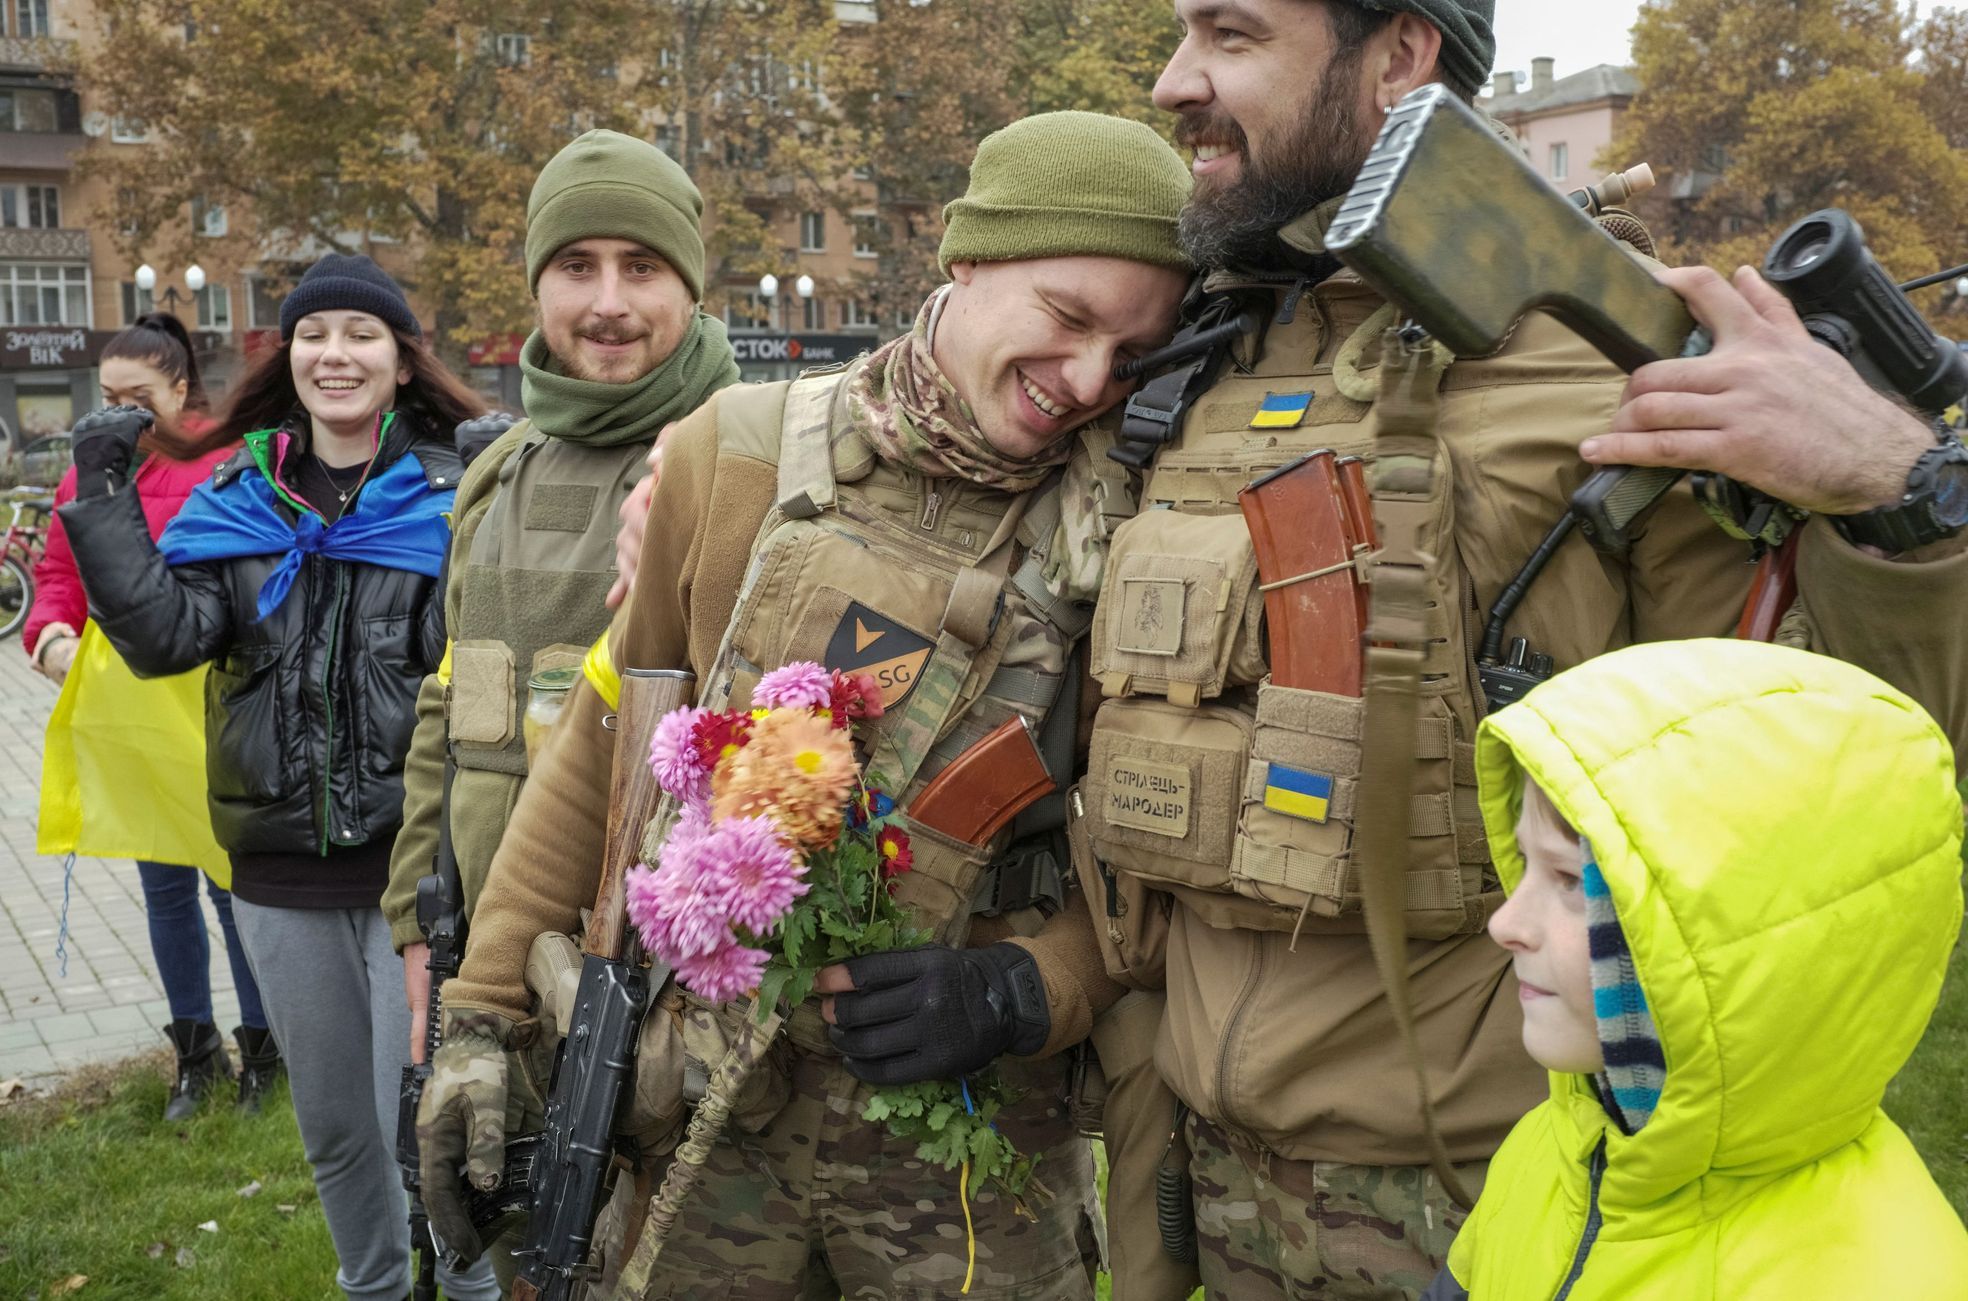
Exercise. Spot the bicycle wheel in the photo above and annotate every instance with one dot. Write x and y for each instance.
(16, 595)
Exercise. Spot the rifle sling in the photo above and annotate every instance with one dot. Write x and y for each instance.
(1406, 481)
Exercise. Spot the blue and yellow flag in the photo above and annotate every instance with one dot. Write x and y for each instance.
(1297, 793)
(1282, 411)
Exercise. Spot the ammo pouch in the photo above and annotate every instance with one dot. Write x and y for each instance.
(1237, 797)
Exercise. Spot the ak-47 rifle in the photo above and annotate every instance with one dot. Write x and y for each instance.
(567, 1163)
(1519, 245)
(441, 918)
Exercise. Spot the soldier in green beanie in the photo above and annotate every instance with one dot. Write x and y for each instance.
(936, 515)
(615, 263)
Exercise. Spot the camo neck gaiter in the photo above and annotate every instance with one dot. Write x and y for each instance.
(906, 407)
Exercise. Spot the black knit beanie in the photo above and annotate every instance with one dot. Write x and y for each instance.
(349, 283)
(1468, 35)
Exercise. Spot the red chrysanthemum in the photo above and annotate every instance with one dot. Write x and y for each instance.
(856, 696)
(719, 735)
(892, 843)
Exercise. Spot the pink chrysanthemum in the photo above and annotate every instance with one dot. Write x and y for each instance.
(725, 973)
(802, 685)
(758, 877)
(674, 758)
(678, 907)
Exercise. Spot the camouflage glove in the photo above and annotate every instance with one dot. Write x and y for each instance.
(936, 1013)
(462, 1123)
(479, 433)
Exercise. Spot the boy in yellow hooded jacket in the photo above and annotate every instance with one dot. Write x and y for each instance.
(1735, 881)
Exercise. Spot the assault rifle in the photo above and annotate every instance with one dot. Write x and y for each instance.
(566, 1165)
(441, 917)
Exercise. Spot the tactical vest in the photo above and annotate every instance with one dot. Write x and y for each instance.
(1185, 739)
(933, 586)
(540, 562)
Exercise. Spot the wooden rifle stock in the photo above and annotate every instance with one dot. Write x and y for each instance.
(986, 786)
(1772, 593)
(647, 695)
(1312, 610)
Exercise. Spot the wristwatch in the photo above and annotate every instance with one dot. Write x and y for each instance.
(1935, 504)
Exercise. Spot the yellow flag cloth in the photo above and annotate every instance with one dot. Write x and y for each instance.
(123, 771)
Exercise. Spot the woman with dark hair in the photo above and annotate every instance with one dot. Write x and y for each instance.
(151, 365)
(306, 572)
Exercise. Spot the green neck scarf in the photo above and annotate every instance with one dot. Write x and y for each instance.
(609, 415)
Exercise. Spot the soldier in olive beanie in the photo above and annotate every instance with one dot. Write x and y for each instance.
(1069, 185)
(1468, 35)
(606, 185)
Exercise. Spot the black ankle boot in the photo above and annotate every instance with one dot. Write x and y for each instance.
(259, 1066)
(202, 1063)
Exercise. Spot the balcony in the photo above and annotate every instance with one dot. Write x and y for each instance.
(35, 53)
(36, 244)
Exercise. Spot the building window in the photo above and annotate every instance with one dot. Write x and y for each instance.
(215, 308)
(514, 49)
(208, 219)
(30, 18)
(747, 311)
(813, 314)
(666, 63)
(867, 231)
(27, 110)
(44, 294)
(262, 304)
(854, 316)
(38, 206)
(813, 232)
(669, 138)
(128, 130)
(137, 302)
(1560, 164)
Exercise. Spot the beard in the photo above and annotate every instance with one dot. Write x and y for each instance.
(1236, 224)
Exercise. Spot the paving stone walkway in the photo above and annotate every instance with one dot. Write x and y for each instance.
(109, 1004)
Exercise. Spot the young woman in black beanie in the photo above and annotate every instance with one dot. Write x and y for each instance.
(306, 572)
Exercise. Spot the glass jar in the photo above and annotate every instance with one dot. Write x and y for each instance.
(546, 697)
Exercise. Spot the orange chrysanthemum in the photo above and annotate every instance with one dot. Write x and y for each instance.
(795, 769)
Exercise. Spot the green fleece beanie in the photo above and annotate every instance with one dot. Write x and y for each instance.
(607, 185)
(1468, 30)
(1069, 185)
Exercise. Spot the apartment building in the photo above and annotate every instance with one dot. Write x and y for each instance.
(1564, 123)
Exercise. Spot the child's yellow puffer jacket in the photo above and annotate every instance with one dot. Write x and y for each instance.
(1781, 835)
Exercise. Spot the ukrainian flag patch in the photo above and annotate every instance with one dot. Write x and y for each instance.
(1282, 411)
(1297, 793)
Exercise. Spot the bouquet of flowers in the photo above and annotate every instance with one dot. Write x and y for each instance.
(783, 861)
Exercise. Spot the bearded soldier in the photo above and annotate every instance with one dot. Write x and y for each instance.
(1238, 890)
(935, 511)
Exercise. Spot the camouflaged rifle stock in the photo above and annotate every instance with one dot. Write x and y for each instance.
(1455, 227)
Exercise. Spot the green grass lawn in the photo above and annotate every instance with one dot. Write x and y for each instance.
(92, 1182)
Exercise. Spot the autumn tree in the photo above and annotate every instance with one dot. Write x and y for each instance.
(1758, 112)
(421, 122)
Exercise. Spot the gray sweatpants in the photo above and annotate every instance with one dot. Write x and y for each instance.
(333, 990)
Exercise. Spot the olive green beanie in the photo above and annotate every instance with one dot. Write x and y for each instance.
(1068, 185)
(1468, 30)
(607, 185)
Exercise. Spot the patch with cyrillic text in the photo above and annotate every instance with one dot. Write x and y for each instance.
(1152, 797)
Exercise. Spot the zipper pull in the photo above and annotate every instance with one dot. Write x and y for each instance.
(931, 505)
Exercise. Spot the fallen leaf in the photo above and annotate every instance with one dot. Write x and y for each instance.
(73, 1283)
(156, 1250)
(210, 1226)
(284, 1208)
(186, 1258)
(251, 1190)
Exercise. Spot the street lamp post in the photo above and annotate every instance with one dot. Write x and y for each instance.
(768, 288)
(194, 278)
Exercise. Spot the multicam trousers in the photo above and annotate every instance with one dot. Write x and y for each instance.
(1270, 1229)
(820, 1204)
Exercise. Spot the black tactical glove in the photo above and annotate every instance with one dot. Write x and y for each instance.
(936, 1013)
(102, 445)
(480, 432)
